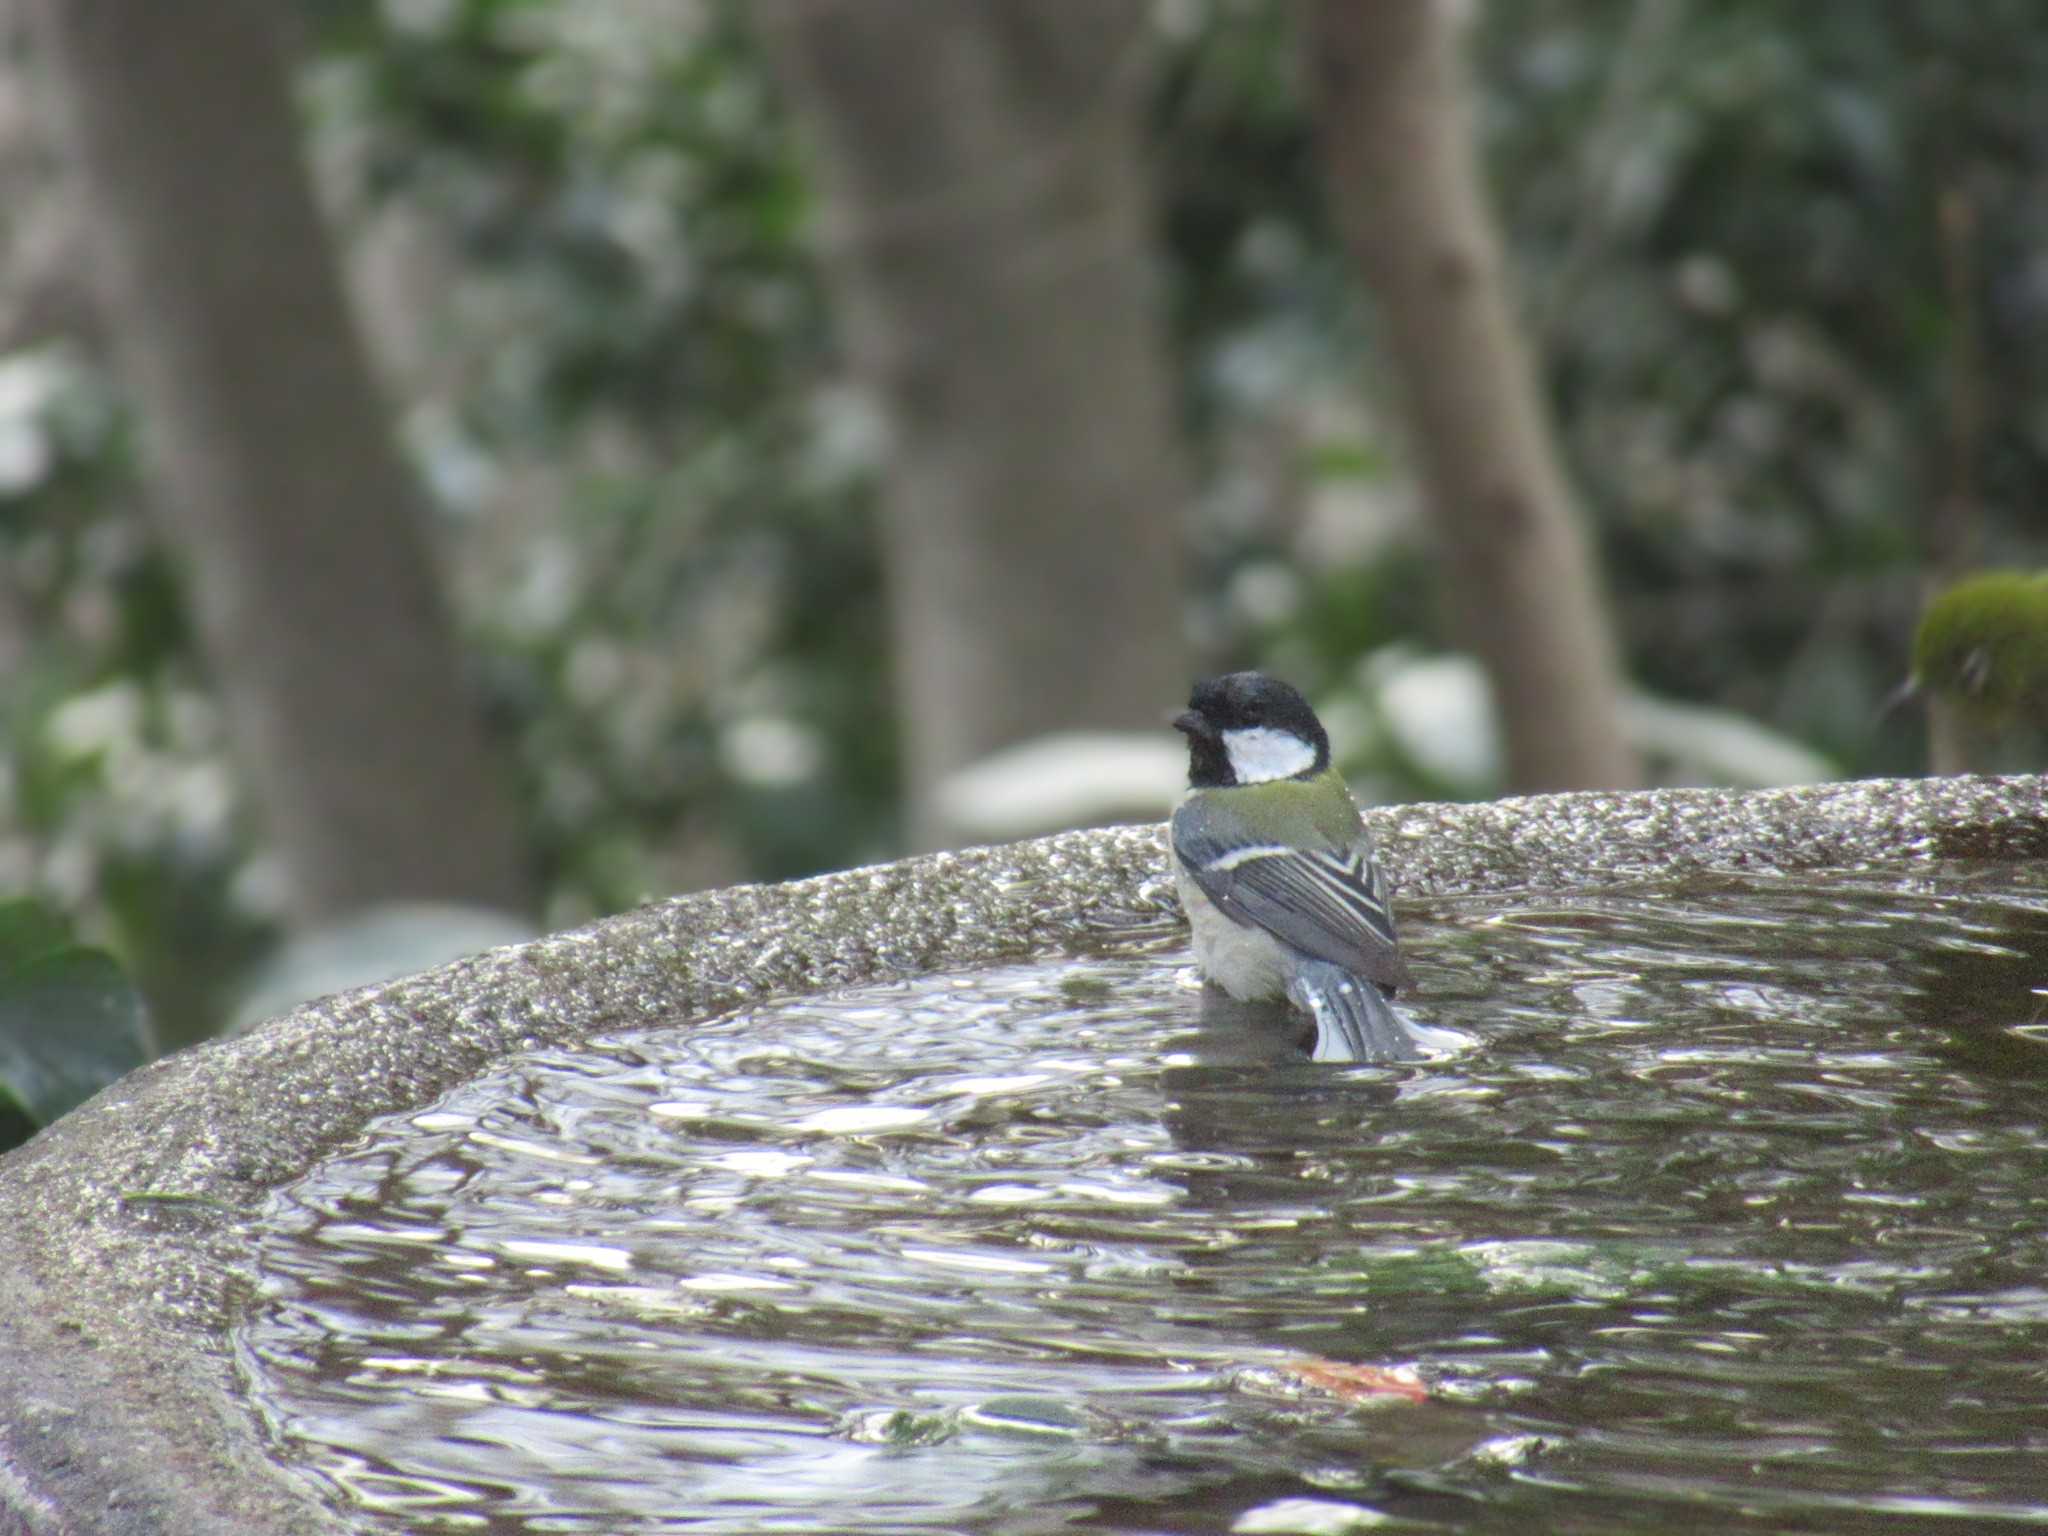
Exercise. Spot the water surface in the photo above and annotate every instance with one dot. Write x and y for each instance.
(1722, 1209)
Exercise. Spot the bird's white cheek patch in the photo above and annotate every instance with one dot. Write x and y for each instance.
(1260, 754)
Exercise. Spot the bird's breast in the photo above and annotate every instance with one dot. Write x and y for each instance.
(1247, 962)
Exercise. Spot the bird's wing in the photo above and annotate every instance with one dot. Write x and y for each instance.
(1332, 904)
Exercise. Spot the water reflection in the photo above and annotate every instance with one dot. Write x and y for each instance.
(1719, 1208)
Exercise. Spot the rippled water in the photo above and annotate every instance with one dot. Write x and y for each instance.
(1730, 1214)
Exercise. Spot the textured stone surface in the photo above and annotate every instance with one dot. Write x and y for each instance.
(122, 1246)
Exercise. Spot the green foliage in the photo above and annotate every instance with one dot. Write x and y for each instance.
(117, 802)
(1729, 220)
(70, 1022)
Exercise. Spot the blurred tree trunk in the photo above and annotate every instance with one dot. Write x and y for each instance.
(273, 475)
(1405, 188)
(987, 221)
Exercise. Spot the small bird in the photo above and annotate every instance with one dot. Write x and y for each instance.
(1277, 872)
(1984, 644)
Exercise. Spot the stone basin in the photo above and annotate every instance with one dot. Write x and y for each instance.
(126, 1261)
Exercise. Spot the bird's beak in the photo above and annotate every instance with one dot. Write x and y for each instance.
(1188, 723)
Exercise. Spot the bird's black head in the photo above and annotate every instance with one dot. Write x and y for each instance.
(1248, 728)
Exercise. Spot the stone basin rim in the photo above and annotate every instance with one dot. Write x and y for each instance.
(122, 1266)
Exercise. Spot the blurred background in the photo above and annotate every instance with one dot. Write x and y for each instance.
(467, 466)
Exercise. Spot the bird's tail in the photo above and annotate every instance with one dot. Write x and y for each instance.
(1354, 1020)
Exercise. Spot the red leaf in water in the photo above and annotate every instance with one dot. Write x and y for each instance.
(1358, 1383)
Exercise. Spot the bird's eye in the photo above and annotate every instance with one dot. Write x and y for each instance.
(1976, 673)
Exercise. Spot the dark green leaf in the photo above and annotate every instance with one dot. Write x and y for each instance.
(70, 1022)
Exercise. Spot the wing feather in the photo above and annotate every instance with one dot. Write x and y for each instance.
(1330, 903)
